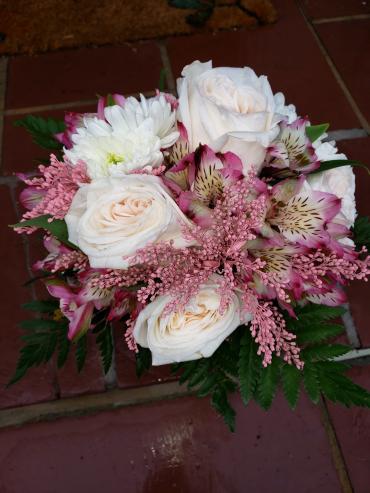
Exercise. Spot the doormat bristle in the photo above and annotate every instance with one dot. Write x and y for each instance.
(47, 25)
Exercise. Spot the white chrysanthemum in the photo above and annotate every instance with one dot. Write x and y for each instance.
(131, 137)
(288, 111)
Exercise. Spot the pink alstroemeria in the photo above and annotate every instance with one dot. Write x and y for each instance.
(300, 216)
(72, 121)
(121, 304)
(292, 152)
(55, 249)
(180, 149)
(200, 178)
(105, 101)
(101, 297)
(79, 315)
(31, 196)
(330, 295)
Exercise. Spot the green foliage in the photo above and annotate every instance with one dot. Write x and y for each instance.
(81, 352)
(314, 132)
(338, 163)
(249, 366)
(324, 352)
(267, 384)
(43, 131)
(57, 227)
(291, 379)
(162, 80)
(104, 340)
(44, 306)
(143, 361)
(43, 337)
(361, 232)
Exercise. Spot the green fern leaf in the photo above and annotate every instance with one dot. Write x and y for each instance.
(221, 404)
(318, 332)
(104, 341)
(267, 384)
(311, 382)
(249, 367)
(291, 379)
(324, 352)
(81, 352)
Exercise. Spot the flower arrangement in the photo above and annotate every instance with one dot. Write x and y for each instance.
(217, 230)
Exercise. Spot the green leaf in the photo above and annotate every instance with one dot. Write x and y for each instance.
(40, 343)
(318, 332)
(267, 384)
(249, 366)
(200, 373)
(221, 404)
(104, 341)
(324, 352)
(81, 352)
(64, 346)
(143, 360)
(44, 306)
(208, 384)
(43, 130)
(338, 163)
(314, 132)
(162, 80)
(316, 313)
(57, 227)
(311, 382)
(361, 232)
(291, 378)
(38, 324)
(338, 388)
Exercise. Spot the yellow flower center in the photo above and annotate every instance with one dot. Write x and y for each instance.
(113, 158)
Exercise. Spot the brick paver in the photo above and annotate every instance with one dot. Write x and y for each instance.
(286, 52)
(179, 445)
(348, 44)
(82, 74)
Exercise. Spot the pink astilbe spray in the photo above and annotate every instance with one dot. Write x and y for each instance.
(268, 328)
(317, 266)
(74, 260)
(59, 182)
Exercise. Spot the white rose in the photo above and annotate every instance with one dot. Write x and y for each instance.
(194, 333)
(338, 181)
(110, 218)
(230, 109)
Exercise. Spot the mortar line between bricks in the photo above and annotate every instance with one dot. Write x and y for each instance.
(167, 66)
(344, 18)
(355, 108)
(350, 326)
(336, 451)
(89, 404)
(3, 81)
(60, 106)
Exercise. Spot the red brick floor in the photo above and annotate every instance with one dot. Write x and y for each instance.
(171, 446)
(181, 445)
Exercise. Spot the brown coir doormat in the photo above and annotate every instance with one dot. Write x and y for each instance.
(31, 26)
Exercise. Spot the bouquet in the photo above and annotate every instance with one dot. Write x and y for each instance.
(215, 230)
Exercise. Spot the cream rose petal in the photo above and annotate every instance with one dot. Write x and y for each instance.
(111, 218)
(196, 332)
